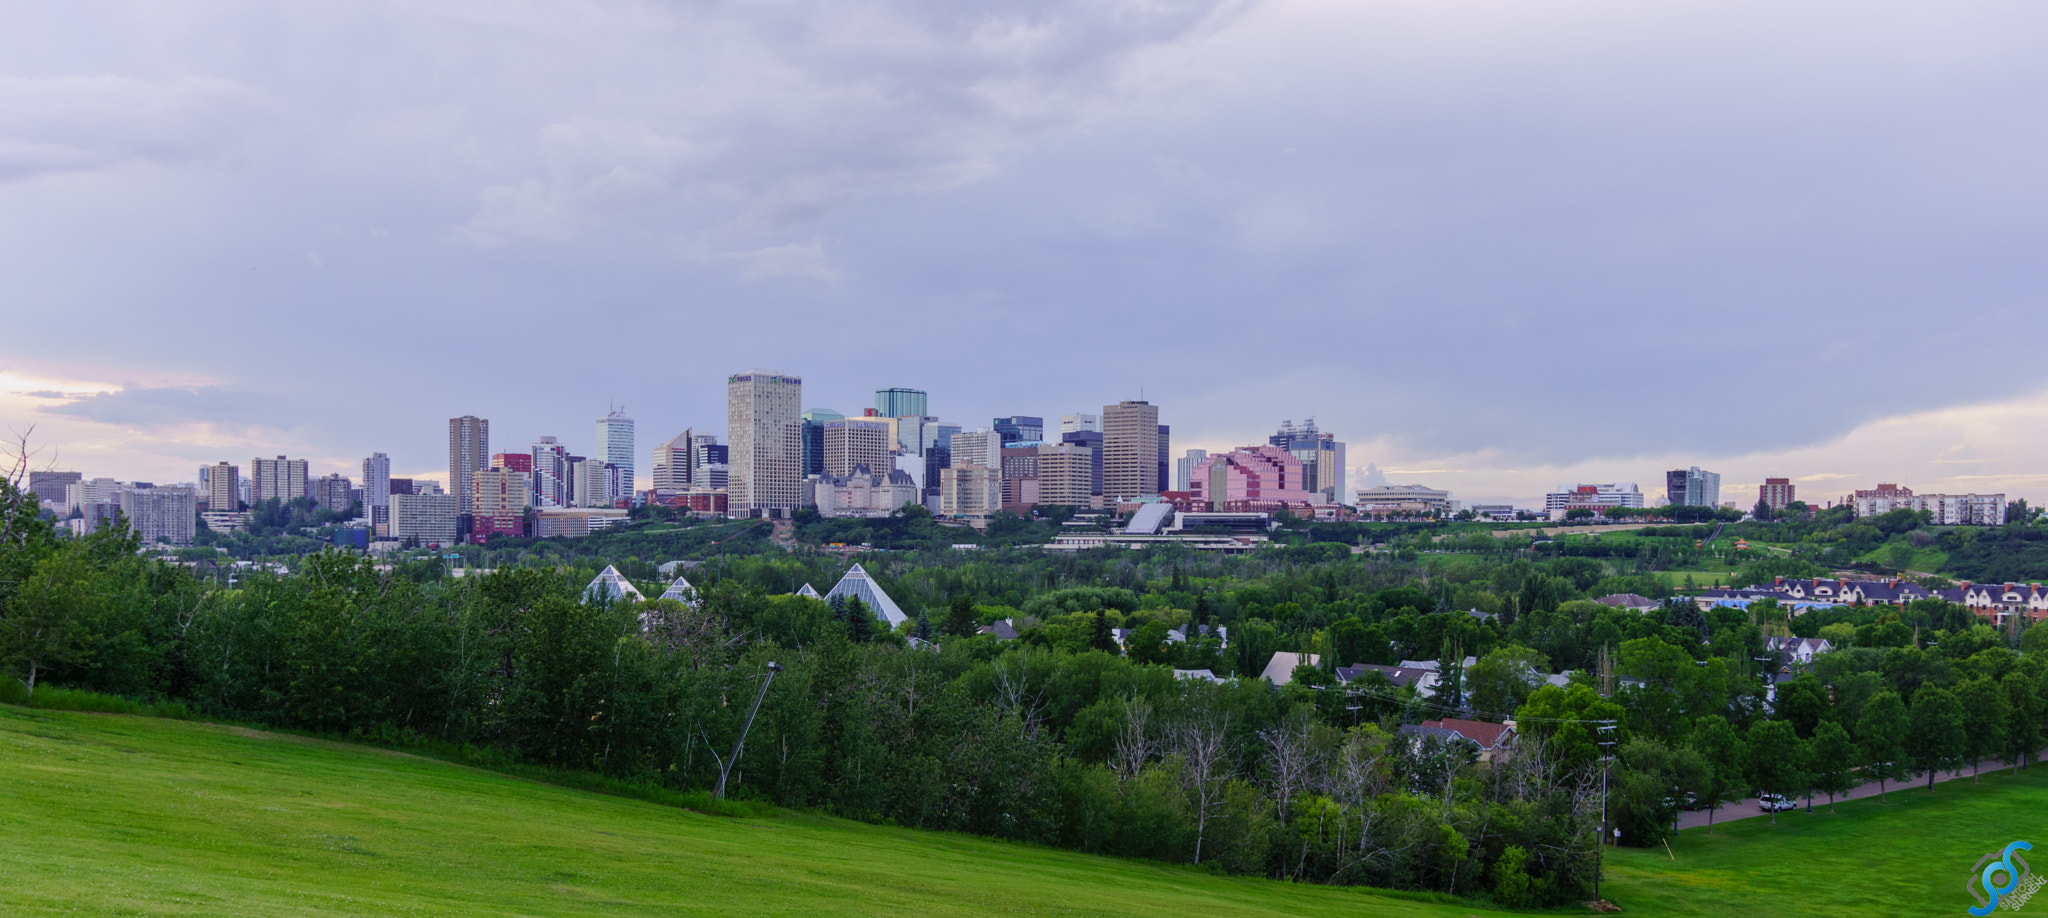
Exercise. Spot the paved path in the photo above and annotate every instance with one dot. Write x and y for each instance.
(1747, 809)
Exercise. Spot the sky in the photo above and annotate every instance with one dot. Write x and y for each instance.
(1493, 246)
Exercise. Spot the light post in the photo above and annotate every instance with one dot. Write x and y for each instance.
(740, 744)
(1600, 849)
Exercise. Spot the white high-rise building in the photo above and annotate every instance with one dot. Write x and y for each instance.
(980, 447)
(615, 447)
(1075, 423)
(764, 426)
(551, 486)
(377, 493)
(1184, 467)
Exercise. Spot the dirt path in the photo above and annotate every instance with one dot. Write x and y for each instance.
(1747, 808)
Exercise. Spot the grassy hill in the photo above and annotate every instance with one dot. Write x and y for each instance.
(114, 815)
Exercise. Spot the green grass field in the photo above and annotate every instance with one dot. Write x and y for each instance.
(117, 815)
(1910, 856)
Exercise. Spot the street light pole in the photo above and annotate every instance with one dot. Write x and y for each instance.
(740, 744)
(1600, 849)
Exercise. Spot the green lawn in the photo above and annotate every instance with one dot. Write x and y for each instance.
(116, 815)
(1910, 856)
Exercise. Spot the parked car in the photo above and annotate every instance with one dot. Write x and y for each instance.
(1772, 803)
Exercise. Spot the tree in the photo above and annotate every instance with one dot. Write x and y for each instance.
(1101, 636)
(959, 620)
(1832, 761)
(1883, 731)
(860, 625)
(1202, 747)
(1450, 686)
(1936, 735)
(2023, 723)
(923, 631)
(1726, 756)
(1502, 680)
(1985, 713)
(1776, 760)
(39, 623)
(1762, 511)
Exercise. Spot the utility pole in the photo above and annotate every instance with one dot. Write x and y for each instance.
(1600, 851)
(741, 743)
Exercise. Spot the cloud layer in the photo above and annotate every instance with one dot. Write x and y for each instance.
(1509, 240)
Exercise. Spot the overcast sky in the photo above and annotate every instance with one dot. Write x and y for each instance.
(1494, 246)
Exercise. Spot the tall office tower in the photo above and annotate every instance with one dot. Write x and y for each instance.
(594, 478)
(282, 480)
(1185, 467)
(224, 488)
(899, 403)
(1321, 455)
(857, 442)
(705, 450)
(1066, 474)
(550, 473)
(672, 464)
(1130, 450)
(615, 447)
(469, 451)
(333, 492)
(1090, 440)
(50, 486)
(981, 448)
(1692, 488)
(1075, 423)
(765, 426)
(814, 439)
(1165, 454)
(1020, 429)
(377, 493)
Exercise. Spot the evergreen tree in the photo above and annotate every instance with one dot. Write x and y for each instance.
(923, 631)
(860, 626)
(1985, 713)
(1832, 761)
(2023, 721)
(960, 621)
(1936, 736)
(1776, 760)
(1726, 757)
(1102, 638)
(1883, 731)
(1450, 675)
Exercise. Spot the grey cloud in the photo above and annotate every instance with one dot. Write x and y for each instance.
(141, 406)
(76, 124)
(1529, 234)
(819, 105)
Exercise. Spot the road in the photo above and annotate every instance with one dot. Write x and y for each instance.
(1747, 809)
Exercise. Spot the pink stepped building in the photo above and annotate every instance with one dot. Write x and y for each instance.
(1251, 478)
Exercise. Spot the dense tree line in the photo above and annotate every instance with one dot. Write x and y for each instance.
(1069, 735)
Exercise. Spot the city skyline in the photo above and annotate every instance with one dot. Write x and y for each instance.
(1144, 177)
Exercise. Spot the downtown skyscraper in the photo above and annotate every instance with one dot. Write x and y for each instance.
(764, 421)
(469, 450)
(615, 447)
(1130, 450)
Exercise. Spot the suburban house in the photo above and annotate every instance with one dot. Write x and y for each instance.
(1631, 601)
(1490, 738)
(1280, 671)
